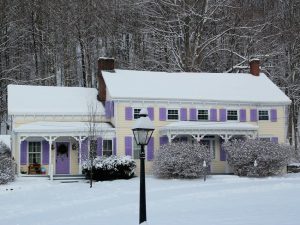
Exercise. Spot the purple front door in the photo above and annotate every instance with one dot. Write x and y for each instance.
(62, 158)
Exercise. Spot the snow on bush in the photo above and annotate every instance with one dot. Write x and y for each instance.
(270, 157)
(7, 165)
(112, 167)
(181, 160)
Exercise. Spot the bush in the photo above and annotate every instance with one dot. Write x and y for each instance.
(271, 158)
(7, 165)
(110, 168)
(181, 160)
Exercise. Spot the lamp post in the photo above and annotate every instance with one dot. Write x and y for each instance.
(204, 170)
(142, 131)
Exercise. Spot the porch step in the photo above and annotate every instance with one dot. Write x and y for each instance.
(35, 176)
(68, 177)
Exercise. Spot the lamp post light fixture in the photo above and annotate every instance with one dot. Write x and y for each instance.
(142, 131)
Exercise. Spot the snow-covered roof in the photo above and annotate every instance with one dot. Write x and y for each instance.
(5, 139)
(232, 87)
(49, 100)
(191, 125)
(60, 127)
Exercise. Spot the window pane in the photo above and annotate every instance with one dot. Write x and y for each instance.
(34, 152)
(265, 139)
(172, 114)
(232, 115)
(202, 114)
(136, 113)
(107, 147)
(263, 115)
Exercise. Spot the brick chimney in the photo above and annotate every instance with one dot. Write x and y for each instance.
(104, 64)
(254, 66)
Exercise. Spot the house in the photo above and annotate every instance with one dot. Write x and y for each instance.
(51, 124)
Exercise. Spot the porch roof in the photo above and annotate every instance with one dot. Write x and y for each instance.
(61, 128)
(199, 129)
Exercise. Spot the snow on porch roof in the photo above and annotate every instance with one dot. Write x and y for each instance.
(233, 87)
(60, 127)
(50, 100)
(196, 125)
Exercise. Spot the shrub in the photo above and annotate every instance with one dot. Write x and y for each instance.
(181, 160)
(7, 165)
(271, 158)
(109, 168)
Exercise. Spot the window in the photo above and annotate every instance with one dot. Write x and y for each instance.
(136, 113)
(107, 147)
(211, 144)
(213, 149)
(263, 115)
(136, 150)
(265, 139)
(232, 115)
(173, 114)
(34, 152)
(202, 114)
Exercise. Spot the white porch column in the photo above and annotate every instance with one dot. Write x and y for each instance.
(79, 139)
(79, 155)
(19, 155)
(50, 169)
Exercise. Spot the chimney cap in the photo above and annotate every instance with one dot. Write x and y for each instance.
(252, 59)
(106, 58)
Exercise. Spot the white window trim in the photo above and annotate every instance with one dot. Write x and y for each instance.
(28, 163)
(210, 139)
(173, 109)
(237, 113)
(208, 113)
(133, 108)
(269, 114)
(112, 145)
(266, 137)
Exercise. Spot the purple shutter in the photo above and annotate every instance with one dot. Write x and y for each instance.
(274, 140)
(193, 114)
(45, 147)
(99, 146)
(163, 140)
(222, 154)
(213, 114)
(114, 146)
(242, 115)
(112, 108)
(84, 150)
(273, 115)
(253, 115)
(128, 146)
(128, 113)
(162, 114)
(183, 114)
(107, 110)
(23, 152)
(150, 149)
(151, 113)
(223, 115)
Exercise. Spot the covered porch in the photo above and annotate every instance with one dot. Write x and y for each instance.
(212, 134)
(51, 148)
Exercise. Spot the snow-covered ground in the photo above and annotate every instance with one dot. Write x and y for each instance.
(221, 200)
